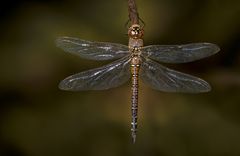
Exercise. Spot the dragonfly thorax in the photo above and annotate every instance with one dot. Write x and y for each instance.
(136, 60)
(135, 46)
(135, 43)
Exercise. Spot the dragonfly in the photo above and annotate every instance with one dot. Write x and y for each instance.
(133, 62)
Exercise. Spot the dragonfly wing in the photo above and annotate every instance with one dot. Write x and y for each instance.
(180, 53)
(92, 50)
(168, 80)
(108, 76)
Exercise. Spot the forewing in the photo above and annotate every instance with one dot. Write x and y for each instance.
(180, 53)
(92, 50)
(168, 80)
(108, 76)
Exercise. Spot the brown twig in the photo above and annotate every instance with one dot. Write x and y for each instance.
(132, 10)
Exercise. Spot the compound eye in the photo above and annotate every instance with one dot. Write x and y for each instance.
(135, 32)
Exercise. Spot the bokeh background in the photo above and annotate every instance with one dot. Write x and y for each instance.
(38, 119)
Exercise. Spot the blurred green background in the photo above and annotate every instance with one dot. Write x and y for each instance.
(38, 119)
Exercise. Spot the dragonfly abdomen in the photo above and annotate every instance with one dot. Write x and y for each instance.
(135, 65)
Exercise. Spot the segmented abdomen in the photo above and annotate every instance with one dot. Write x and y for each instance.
(134, 109)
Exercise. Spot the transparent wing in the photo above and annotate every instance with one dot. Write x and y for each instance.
(165, 79)
(92, 50)
(180, 53)
(108, 76)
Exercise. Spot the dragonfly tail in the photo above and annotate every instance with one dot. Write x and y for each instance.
(134, 107)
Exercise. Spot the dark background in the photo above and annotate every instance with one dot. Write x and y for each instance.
(38, 119)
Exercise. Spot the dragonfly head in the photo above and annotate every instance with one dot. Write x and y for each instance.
(135, 31)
